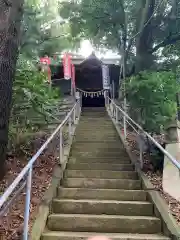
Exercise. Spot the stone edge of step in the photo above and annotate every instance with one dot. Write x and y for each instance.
(85, 235)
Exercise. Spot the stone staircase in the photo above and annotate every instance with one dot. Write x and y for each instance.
(100, 192)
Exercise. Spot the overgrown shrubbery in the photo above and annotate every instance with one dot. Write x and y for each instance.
(152, 99)
(34, 104)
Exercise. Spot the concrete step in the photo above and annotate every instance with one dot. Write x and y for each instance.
(100, 123)
(97, 134)
(100, 117)
(95, 138)
(95, 151)
(104, 223)
(102, 194)
(87, 130)
(54, 235)
(109, 207)
(103, 140)
(98, 130)
(99, 159)
(101, 166)
(99, 146)
(96, 127)
(101, 183)
(97, 154)
(101, 174)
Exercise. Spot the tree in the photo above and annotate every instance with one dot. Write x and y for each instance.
(152, 99)
(43, 31)
(142, 26)
(10, 23)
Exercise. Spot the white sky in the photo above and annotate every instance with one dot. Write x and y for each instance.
(86, 49)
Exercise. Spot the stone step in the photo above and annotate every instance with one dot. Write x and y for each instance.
(101, 166)
(88, 131)
(100, 117)
(96, 139)
(54, 235)
(99, 159)
(98, 124)
(109, 207)
(92, 150)
(102, 194)
(104, 223)
(101, 174)
(95, 133)
(94, 122)
(76, 153)
(101, 183)
(106, 137)
(103, 141)
(85, 129)
(99, 146)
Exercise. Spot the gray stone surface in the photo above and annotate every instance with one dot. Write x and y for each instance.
(100, 192)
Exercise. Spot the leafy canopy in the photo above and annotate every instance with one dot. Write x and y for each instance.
(142, 26)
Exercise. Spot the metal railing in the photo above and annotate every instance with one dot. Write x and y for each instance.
(115, 110)
(24, 179)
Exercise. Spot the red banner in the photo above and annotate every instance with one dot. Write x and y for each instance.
(45, 60)
(73, 76)
(67, 66)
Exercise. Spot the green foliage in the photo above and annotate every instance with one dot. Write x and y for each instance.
(43, 31)
(34, 104)
(143, 26)
(98, 20)
(152, 99)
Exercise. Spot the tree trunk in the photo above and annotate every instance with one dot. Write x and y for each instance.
(145, 59)
(10, 23)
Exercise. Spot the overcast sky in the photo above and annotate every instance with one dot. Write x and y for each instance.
(86, 49)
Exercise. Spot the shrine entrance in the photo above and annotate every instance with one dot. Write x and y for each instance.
(93, 101)
(88, 79)
(89, 82)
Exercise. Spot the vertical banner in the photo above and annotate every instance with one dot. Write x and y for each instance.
(67, 66)
(105, 77)
(73, 76)
(45, 61)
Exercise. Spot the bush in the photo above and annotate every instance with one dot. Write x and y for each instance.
(34, 104)
(152, 99)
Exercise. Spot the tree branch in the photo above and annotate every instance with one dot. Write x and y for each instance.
(168, 41)
(41, 42)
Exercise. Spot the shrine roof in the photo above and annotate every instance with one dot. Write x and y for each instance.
(92, 60)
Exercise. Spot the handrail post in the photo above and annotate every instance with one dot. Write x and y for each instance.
(141, 156)
(69, 126)
(116, 114)
(60, 147)
(74, 116)
(125, 130)
(79, 106)
(27, 204)
(114, 111)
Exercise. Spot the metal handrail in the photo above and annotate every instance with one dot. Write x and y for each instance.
(26, 172)
(125, 115)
